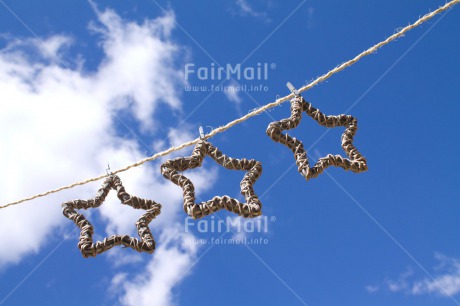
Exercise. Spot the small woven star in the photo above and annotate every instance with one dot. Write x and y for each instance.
(355, 161)
(86, 245)
(171, 168)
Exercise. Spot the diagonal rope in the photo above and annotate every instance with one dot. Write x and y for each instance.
(256, 112)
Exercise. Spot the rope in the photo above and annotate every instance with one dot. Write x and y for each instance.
(256, 112)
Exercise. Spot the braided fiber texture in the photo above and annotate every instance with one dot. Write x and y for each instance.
(356, 162)
(252, 208)
(86, 245)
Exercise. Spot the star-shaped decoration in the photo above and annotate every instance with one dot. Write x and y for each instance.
(86, 245)
(252, 208)
(355, 161)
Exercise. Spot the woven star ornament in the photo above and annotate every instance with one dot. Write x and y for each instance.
(252, 208)
(146, 243)
(355, 161)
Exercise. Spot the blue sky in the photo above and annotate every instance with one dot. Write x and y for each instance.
(84, 84)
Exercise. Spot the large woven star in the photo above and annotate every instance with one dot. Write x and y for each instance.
(171, 168)
(86, 245)
(355, 161)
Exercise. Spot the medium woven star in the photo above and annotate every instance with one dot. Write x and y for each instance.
(86, 245)
(252, 208)
(355, 161)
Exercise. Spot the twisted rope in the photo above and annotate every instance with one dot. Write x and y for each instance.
(256, 112)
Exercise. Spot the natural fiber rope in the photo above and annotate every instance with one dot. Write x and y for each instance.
(255, 112)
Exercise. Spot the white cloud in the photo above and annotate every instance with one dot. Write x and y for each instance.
(53, 47)
(231, 92)
(400, 284)
(57, 122)
(138, 61)
(445, 281)
(244, 9)
(172, 262)
(372, 288)
(58, 126)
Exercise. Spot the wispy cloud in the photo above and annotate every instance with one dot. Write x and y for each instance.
(445, 282)
(232, 93)
(172, 262)
(372, 288)
(244, 9)
(401, 283)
